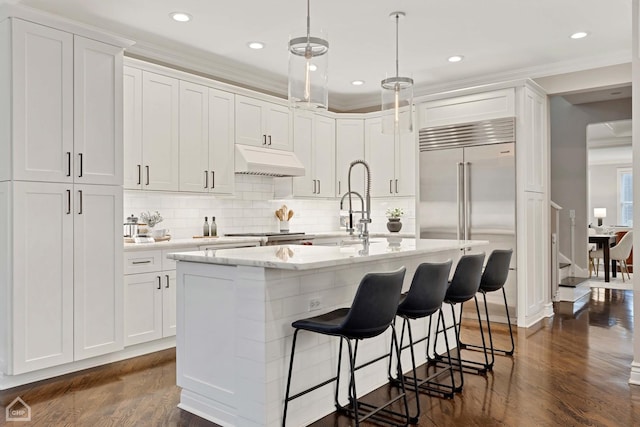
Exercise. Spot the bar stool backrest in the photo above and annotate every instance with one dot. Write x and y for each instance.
(375, 304)
(428, 288)
(466, 279)
(496, 271)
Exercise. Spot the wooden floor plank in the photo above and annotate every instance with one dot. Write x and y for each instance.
(568, 371)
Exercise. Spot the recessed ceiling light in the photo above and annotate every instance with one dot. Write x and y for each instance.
(357, 82)
(180, 16)
(455, 58)
(579, 35)
(313, 67)
(255, 45)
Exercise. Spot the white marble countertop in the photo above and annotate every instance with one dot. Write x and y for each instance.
(300, 257)
(343, 233)
(188, 243)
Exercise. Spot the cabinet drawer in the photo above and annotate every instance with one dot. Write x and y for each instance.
(170, 264)
(142, 262)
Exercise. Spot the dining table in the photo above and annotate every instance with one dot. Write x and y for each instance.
(605, 241)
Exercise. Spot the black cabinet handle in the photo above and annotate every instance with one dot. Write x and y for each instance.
(206, 179)
(139, 174)
(390, 183)
(396, 186)
(167, 285)
(80, 155)
(147, 168)
(269, 139)
(80, 210)
(141, 262)
(213, 179)
(314, 186)
(68, 202)
(318, 187)
(68, 163)
(264, 139)
(159, 282)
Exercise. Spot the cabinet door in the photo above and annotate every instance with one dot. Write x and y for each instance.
(303, 140)
(168, 303)
(132, 127)
(380, 154)
(349, 147)
(249, 122)
(142, 308)
(98, 270)
(194, 137)
(279, 126)
(324, 155)
(97, 112)
(405, 167)
(42, 103)
(221, 141)
(160, 121)
(533, 141)
(42, 276)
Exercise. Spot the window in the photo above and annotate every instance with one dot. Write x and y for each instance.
(625, 197)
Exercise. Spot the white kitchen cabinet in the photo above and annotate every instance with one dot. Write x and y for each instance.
(132, 127)
(349, 147)
(151, 131)
(66, 106)
(532, 151)
(150, 295)
(206, 139)
(97, 109)
(66, 281)
(262, 124)
(392, 161)
(41, 321)
(98, 295)
(314, 137)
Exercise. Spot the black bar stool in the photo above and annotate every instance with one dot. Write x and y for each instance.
(463, 286)
(493, 279)
(371, 313)
(424, 298)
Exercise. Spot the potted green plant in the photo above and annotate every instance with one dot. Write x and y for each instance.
(393, 219)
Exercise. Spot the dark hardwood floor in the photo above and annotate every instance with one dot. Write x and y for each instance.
(569, 371)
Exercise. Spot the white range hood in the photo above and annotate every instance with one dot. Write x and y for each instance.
(266, 161)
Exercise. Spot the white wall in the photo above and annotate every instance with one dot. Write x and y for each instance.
(252, 208)
(603, 192)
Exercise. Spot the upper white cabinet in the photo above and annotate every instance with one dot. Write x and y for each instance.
(151, 131)
(392, 161)
(467, 108)
(532, 142)
(349, 147)
(160, 136)
(206, 139)
(262, 124)
(314, 143)
(66, 111)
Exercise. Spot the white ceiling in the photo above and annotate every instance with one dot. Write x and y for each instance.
(499, 39)
(609, 142)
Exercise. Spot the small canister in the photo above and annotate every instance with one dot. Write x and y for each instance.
(131, 226)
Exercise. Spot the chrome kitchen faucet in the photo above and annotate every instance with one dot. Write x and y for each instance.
(366, 211)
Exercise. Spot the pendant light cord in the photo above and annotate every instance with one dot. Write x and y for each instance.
(397, 61)
(308, 21)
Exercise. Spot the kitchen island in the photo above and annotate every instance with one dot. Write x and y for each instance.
(235, 310)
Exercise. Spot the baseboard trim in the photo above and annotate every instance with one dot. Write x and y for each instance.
(634, 378)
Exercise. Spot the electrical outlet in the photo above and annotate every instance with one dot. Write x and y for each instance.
(315, 304)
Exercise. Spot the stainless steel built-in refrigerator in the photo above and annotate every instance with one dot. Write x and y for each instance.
(467, 186)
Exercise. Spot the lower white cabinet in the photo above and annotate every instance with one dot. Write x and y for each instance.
(66, 274)
(150, 306)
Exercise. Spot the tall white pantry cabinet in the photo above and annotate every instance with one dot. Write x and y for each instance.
(60, 196)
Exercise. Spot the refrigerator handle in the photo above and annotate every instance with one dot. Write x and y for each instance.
(459, 188)
(467, 201)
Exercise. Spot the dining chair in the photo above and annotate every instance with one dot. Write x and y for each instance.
(621, 252)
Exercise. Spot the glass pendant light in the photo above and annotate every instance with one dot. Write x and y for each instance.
(397, 96)
(308, 66)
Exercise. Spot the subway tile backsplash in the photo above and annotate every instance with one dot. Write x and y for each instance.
(251, 209)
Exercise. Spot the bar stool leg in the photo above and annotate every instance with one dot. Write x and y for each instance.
(286, 398)
(457, 334)
(412, 420)
(336, 402)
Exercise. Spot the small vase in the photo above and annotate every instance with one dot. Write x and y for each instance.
(394, 225)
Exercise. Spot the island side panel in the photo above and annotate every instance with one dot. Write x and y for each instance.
(206, 342)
